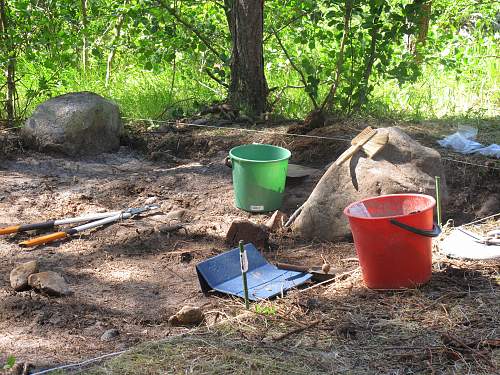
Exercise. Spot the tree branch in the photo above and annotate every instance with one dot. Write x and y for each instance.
(302, 14)
(333, 89)
(302, 77)
(219, 81)
(184, 23)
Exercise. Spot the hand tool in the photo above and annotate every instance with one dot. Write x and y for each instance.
(369, 140)
(317, 273)
(490, 238)
(121, 215)
(54, 223)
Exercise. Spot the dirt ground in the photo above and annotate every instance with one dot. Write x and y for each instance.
(132, 275)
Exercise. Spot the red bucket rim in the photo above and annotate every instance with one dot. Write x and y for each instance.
(431, 199)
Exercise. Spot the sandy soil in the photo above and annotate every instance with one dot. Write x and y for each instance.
(131, 276)
(128, 276)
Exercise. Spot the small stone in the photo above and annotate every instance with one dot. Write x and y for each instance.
(188, 315)
(151, 200)
(177, 215)
(186, 257)
(19, 275)
(50, 283)
(110, 334)
(276, 221)
(248, 232)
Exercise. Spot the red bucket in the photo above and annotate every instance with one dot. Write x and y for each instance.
(393, 239)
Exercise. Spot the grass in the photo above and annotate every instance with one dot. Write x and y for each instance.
(212, 353)
(440, 93)
(445, 326)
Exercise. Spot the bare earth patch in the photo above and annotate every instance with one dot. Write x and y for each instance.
(133, 275)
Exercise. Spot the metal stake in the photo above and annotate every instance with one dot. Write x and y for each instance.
(244, 270)
(438, 199)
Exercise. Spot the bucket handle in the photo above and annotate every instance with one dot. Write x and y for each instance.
(227, 162)
(434, 232)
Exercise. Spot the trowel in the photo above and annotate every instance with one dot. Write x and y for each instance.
(317, 272)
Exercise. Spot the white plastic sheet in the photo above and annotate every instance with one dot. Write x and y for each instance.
(463, 141)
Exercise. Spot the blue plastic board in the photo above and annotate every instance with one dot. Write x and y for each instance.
(223, 274)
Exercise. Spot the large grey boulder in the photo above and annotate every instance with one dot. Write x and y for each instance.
(80, 123)
(403, 166)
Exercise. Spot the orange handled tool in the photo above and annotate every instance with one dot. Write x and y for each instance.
(70, 231)
(9, 230)
(54, 223)
(44, 239)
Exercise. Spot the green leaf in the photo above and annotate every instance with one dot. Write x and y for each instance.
(11, 361)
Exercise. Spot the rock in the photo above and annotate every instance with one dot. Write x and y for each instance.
(80, 123)
(178, 215)
(248, 232)
(19, 275)
(185, 257)
(110, 334)
(50, 283)
(151, 200)
(403, 166)
(188, 315)
(276, 221)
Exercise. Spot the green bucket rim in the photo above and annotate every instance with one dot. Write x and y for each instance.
(232, 156)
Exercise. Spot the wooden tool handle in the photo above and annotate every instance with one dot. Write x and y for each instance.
(292, 267)
(44, 239)
(9, 230)
(347, 154)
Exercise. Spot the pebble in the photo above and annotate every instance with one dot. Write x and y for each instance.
(177, 214)
(19, 275)
(50, 283)
(110, 334)
(151, 200)
(188, 315)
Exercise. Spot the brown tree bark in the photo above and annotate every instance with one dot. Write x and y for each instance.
(248, 88)
(416, 41)
(112, 52)
(10, 68)
(370, 57)
(423, 28)
(85, 52)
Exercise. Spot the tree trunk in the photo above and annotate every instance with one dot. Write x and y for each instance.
(11, 65)
(248, 89)
(85, 53)
(112, 52)
(11, 91)
(423, 28)
(328, 102)
(370, 57)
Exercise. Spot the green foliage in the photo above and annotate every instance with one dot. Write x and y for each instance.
(171, 50)
(265, 309)
(9, 363)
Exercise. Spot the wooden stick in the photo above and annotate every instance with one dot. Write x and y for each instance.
(296, 330)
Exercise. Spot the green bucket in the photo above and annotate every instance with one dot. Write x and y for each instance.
(259, 175)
